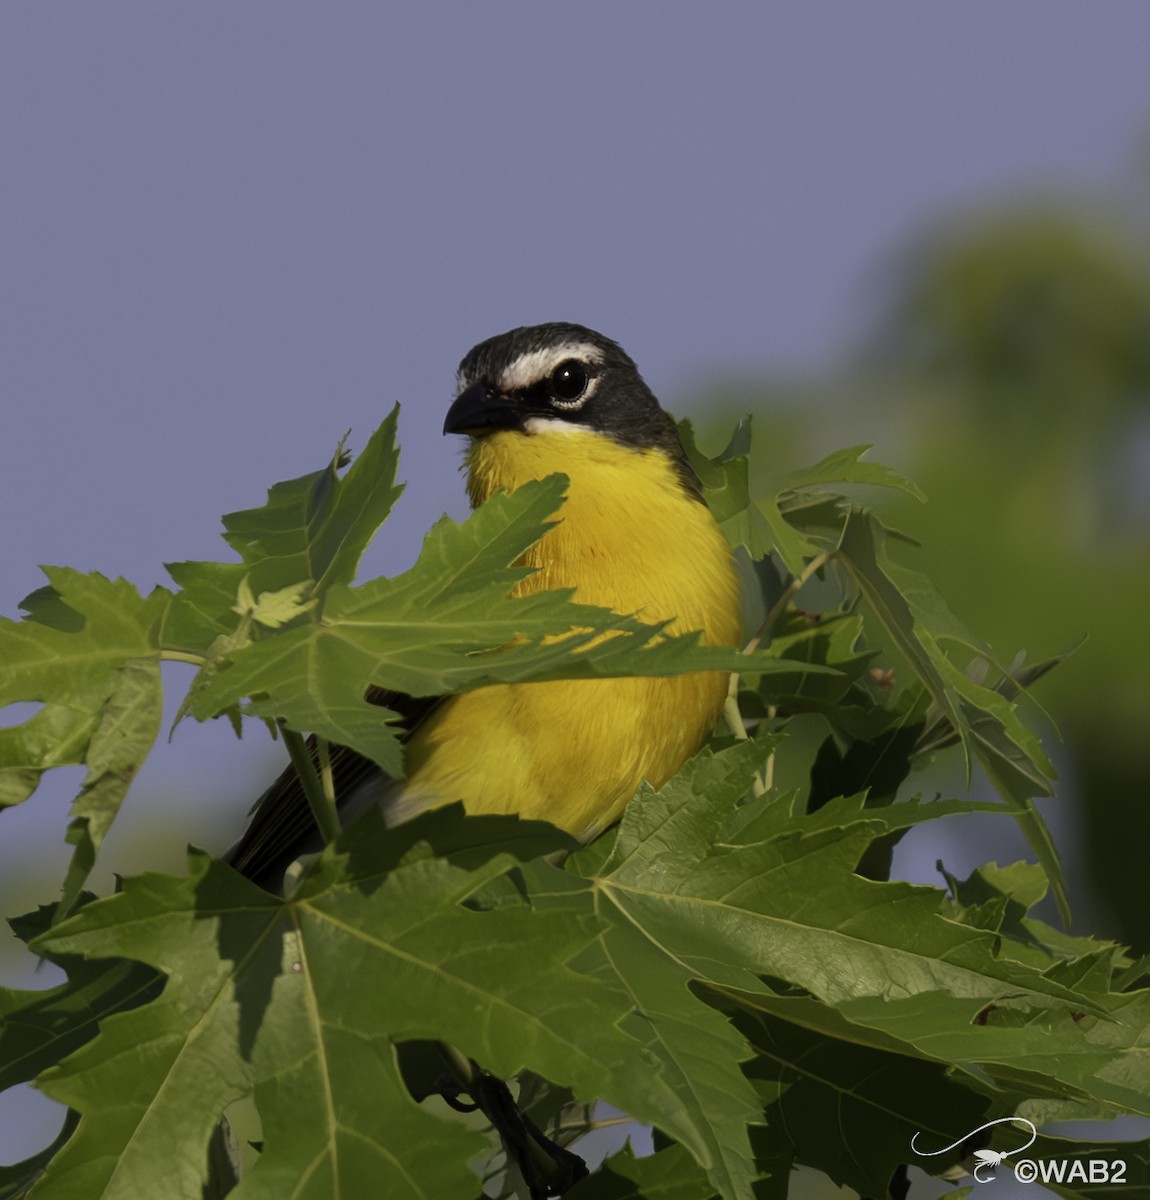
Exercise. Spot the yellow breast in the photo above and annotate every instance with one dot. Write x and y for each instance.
(573, 751)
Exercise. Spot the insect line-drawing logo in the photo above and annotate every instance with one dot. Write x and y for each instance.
(987, 1159)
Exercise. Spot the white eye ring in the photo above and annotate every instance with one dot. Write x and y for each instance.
(569, 385)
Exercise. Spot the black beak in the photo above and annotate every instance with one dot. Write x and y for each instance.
(478, 409)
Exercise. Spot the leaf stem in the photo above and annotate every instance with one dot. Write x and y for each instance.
(731, 713)
(321, 802)
(462, 1067)
(327, 778)
(582, 1127)
(768, 778)
(196, 660)
(780, 606)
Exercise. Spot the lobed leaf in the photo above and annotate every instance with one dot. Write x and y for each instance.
(88, 652)
(447, 624)
(257, 998)
(313, 528)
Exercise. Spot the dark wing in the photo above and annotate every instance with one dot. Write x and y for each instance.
(282, 826)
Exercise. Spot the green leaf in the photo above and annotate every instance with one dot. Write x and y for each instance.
(764, 528)
(38, 1028)
(273, 609)
(318, 526)
(849, 1110)
(98, 682)
(790, 906)
(74, 672)
(725, 477)
(915, 619)
(757, 525)
(314, 528)
(128, 726)
(259, 989)
(1091, 1052)
(831, 639)
(770, 523)
(695, 890)
(845, 466)
(669, 1175)
(448, 624)
(701, 1052)
(882, 965)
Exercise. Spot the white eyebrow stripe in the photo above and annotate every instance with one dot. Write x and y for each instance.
(536, 365)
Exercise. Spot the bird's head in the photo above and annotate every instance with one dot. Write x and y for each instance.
(558, 378)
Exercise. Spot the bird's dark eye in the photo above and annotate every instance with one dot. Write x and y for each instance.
(568, 380)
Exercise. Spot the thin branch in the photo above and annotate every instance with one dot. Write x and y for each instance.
(780, 606)
(196, 660)
(322, 805)
(327, 777)
(731, 713)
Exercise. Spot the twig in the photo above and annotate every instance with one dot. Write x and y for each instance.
(322, 803)
(731, 713)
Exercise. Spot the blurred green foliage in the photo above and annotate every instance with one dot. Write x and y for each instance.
(1009, 375)
(1030, 334)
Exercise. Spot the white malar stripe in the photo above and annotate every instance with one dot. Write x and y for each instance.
(537, 425)
(536, 366)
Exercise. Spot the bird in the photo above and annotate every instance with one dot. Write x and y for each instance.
(634, 535)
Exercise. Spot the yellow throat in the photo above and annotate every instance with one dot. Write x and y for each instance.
(573, 752)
